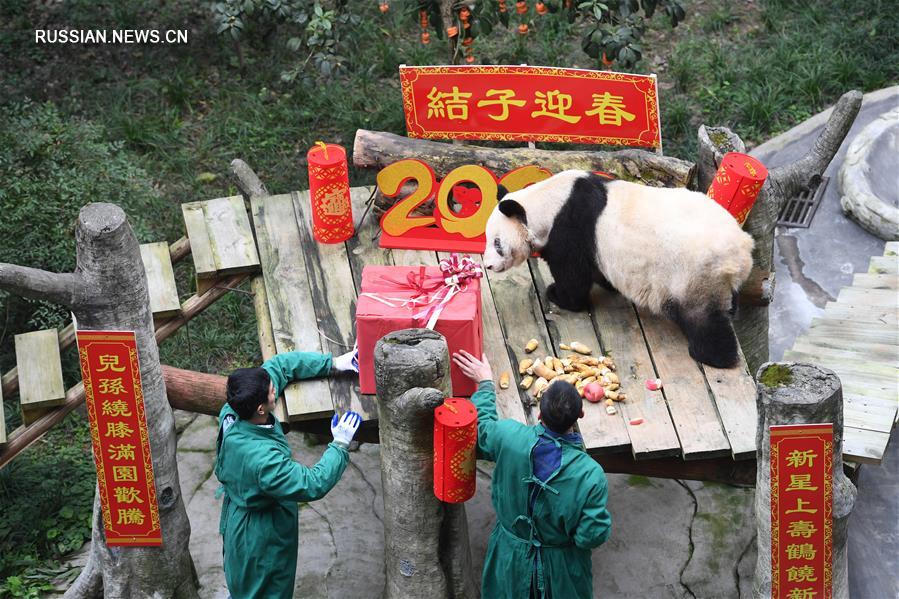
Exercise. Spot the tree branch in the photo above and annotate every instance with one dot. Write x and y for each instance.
(247, 180)
(34, 283)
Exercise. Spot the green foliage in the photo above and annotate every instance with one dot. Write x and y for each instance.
(315, 29)
(47, 493)
(51, 166)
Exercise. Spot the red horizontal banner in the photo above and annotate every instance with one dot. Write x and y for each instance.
(801, 508)
(522, 103)
(115, 408)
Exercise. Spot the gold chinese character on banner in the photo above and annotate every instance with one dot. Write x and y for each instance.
(119, 430)
(131, 515)
(504, 100)
(799, 458)
(800, 509)
(802, 594)
(801, 551)
(110, 363)
(801, 574)
(124, 474)
(112, 386)
(115, 408)
(554, 103)
(128, 495)
(801, 528)
(124, 451)
(452, 105)
(609, 109)
(801, 482)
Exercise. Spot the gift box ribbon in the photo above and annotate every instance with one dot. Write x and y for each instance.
(431, 293)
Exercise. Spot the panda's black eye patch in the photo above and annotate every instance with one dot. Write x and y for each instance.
(498, 247)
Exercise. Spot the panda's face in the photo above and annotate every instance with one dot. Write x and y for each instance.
(507, 242)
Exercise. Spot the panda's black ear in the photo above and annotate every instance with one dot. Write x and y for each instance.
(501, 192)
(513, 209)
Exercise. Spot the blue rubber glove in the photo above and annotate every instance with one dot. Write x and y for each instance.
(344, 427)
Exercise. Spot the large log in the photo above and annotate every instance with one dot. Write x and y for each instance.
(195, 391)
(426, 545)
(810, 395)
(377, 149)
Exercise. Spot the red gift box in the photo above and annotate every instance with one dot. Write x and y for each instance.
(406, 297)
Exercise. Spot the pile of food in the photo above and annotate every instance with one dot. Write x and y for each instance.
(594, 377)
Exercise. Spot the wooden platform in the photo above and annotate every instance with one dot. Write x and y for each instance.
(701, 414)
(857, 338)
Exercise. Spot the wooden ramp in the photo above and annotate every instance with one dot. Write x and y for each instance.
(701, 415)
(857, 338)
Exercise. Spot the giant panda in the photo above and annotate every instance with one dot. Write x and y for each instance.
(673, 251)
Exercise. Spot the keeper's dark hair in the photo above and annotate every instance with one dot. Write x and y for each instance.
(560, 407)
(247, 390)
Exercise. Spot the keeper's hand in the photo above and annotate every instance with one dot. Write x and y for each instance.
(476, 370)
(344, 427)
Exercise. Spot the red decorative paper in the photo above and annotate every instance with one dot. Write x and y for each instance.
(523, 103)
(329, 190)
(737, 184)
(455, 438)
(801, 510)
(121, 444)
(405, 289)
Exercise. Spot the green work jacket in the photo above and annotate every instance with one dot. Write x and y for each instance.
(547, 547)
(262, 485)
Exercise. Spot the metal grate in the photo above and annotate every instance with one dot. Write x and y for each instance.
(798, 212)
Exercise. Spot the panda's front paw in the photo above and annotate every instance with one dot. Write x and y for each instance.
(564, 301)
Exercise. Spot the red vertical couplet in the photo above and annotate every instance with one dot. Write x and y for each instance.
(801, 511)
(455, 440)
(329, 190)
(121, 444)
(737, 184)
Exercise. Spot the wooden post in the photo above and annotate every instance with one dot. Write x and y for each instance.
(808, 395)
(427, 552)
(108, 291)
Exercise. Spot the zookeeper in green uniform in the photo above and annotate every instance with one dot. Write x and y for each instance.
(261, 482)
(549, 495)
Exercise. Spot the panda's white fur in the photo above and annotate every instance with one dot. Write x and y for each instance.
(673, 251)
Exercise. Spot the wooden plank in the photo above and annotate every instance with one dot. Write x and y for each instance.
(848, 331)
(160, 279)
(870, 371)
(265, 334)
(864, 446)
(884, 265)
(692, 408)
(508, 401)
(872, 281)
(875, 353)
(40, 369)
(334, 302)
(868, 386)
(861, 314)
(289, 299)
(734, 392)
(520, 316)
(869, 297)
(232, 239)
(622, 338)
(891, 248)
(880, 351)
(363, 246)
(869, 413)
(602, 433)
(200, 243)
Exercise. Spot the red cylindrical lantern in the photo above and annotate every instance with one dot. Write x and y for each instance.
(455, 439)
(329, 190)
(737, 183)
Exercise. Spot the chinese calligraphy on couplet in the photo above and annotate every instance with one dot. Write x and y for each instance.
(531, 104)
(801, 505)
(115, 406)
